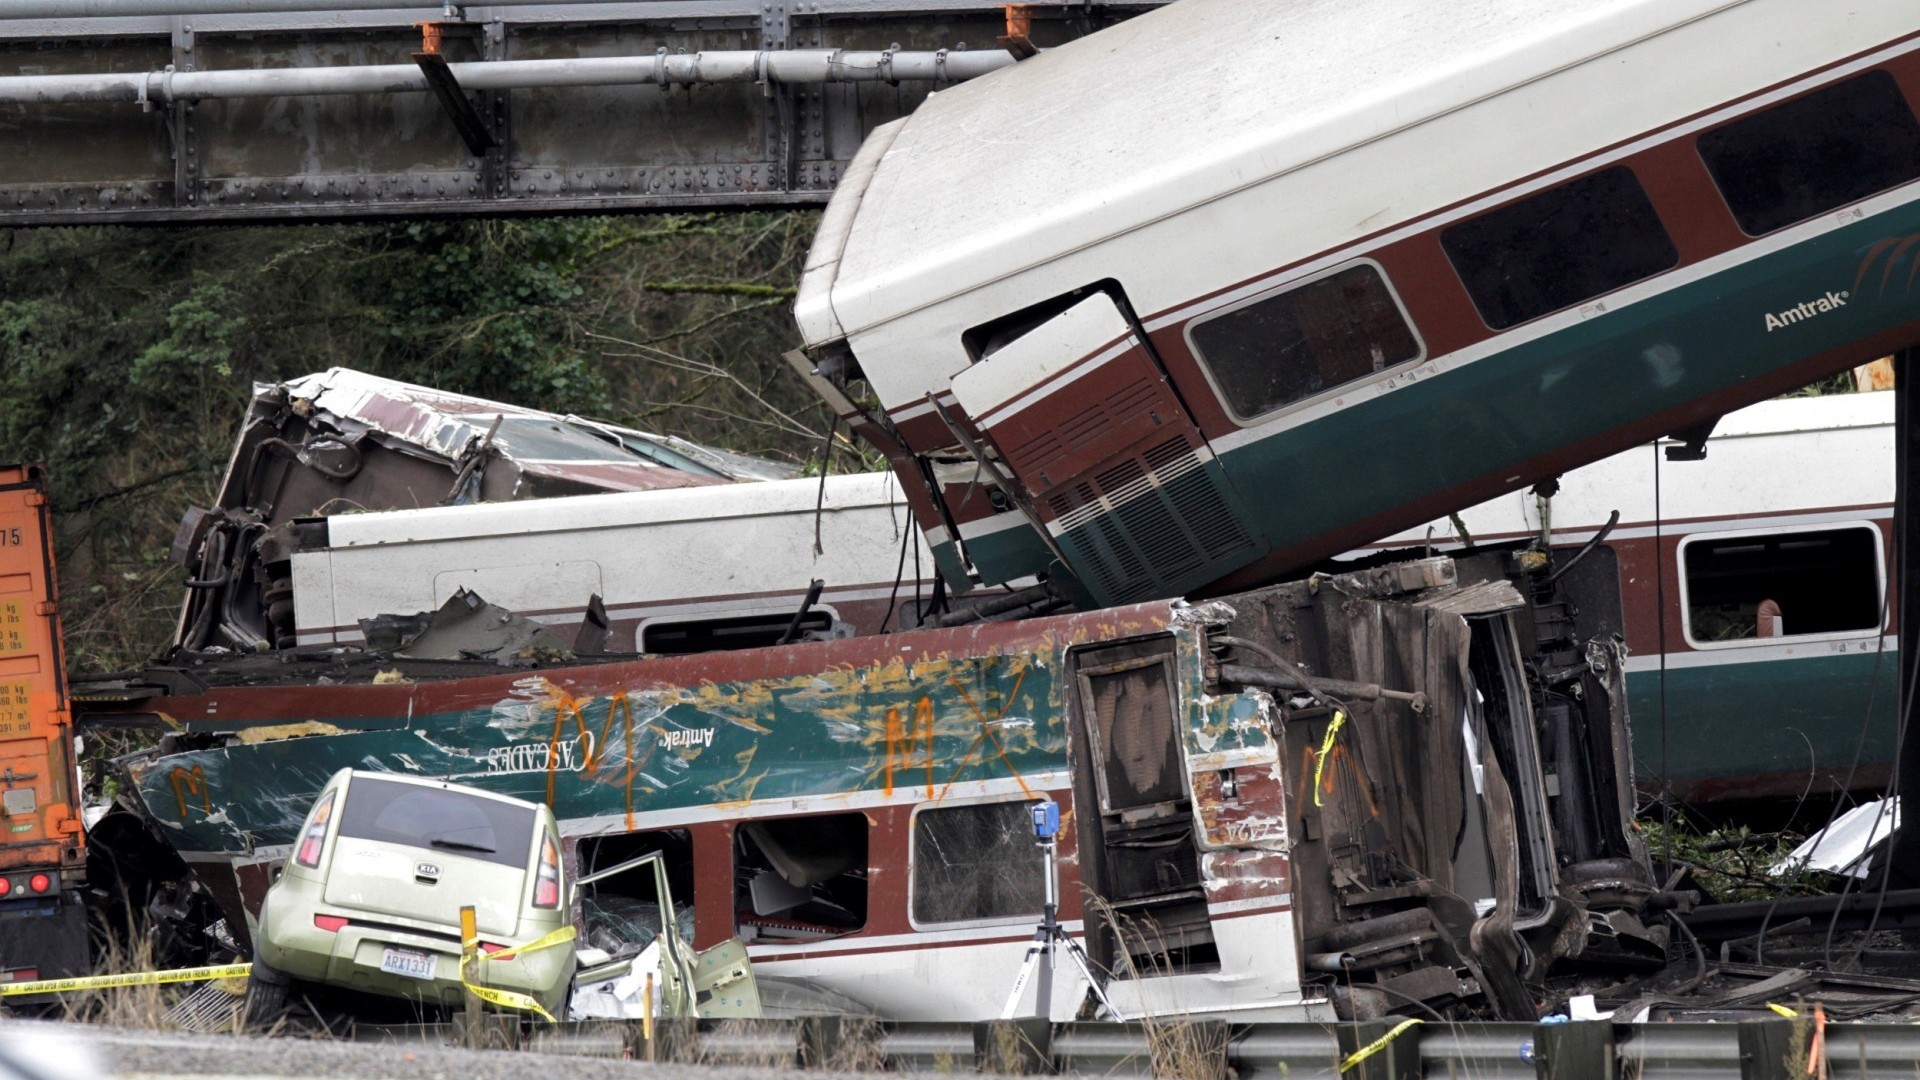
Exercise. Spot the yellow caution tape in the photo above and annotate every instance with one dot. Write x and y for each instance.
(1326, 747)
(1380, 1043)
(508, 999)
(558, 937)
(1782, 1010)
(132, 978)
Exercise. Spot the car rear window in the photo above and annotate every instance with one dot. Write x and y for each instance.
(453, 822)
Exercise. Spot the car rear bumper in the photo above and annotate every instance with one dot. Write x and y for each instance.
(351, 958)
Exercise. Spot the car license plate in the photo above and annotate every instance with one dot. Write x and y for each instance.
(414, 965)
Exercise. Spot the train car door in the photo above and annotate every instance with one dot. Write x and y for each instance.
(1105, 455)
(1134, 808)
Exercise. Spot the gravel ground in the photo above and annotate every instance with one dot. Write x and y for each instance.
(138, 1055)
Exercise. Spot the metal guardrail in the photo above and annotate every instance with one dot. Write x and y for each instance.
(1196, 1050)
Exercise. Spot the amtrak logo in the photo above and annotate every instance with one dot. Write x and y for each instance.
(675, 740)
(1807, 309)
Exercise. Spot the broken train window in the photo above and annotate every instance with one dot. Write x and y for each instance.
(621, 914)
(975, 863)
(684, 637)
(798, 879)
(1307, 339)
(1748, 586)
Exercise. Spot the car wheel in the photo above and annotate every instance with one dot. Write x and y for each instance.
(267, 994)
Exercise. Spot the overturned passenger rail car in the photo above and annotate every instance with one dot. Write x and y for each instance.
(1350, 266)
(350, 497)
(1395, 789)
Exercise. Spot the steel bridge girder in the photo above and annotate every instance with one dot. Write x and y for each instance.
(559, 149)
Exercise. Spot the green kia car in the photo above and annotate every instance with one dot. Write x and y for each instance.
(371, 895)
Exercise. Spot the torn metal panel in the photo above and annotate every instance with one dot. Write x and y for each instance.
(1431, 855)
(1849, 845)
(468, 628)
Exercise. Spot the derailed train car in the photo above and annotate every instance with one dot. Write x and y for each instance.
(350, 497)
(1398, 789)
(1163, 328)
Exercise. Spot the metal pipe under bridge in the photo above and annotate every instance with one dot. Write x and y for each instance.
(307, 110)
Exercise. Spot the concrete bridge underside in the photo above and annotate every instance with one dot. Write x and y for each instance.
(133, 116)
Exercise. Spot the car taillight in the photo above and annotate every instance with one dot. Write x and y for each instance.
(5, 886)
(39, 882)
(315, 835)
(332, 924)
(546, 881)
(490, 947)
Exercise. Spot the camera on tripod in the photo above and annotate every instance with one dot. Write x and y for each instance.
(1049, 935)
(1046, 820)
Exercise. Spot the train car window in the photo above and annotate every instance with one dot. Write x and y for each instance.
(1815, 153)
(1295, 344)
(686, 637)
(800, 879)
(1559, 248)
(975, 863)
(1787, 584)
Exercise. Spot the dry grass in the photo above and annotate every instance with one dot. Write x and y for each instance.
(1799, 1043)
(1184, 1049)
(745, 1043)
(855, 1047)
(1180, 1048)
(141, 1007)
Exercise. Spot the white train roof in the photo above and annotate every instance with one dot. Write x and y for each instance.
(735, 505)
(1783, 463)
(1193, 102)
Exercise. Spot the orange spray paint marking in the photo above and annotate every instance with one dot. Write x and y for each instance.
(986, 734)
(633, 766)
(593, 746)
(1338, 760)
(563, 706)
(1004, 760)
(195, 783)
(986, 728)
(902, 740)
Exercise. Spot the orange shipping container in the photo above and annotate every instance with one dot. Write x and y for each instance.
(42, 843)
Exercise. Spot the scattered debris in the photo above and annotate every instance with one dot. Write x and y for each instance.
(1848, 846)
(468, 628)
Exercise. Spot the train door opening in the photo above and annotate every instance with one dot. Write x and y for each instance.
(1139, 861)
(1103, 453)
(624, 912)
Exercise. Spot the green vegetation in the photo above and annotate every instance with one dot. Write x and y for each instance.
(128, 355)
(1730, 861)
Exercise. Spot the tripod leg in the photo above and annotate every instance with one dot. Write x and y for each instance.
(1085, 965)
(1020, 981)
